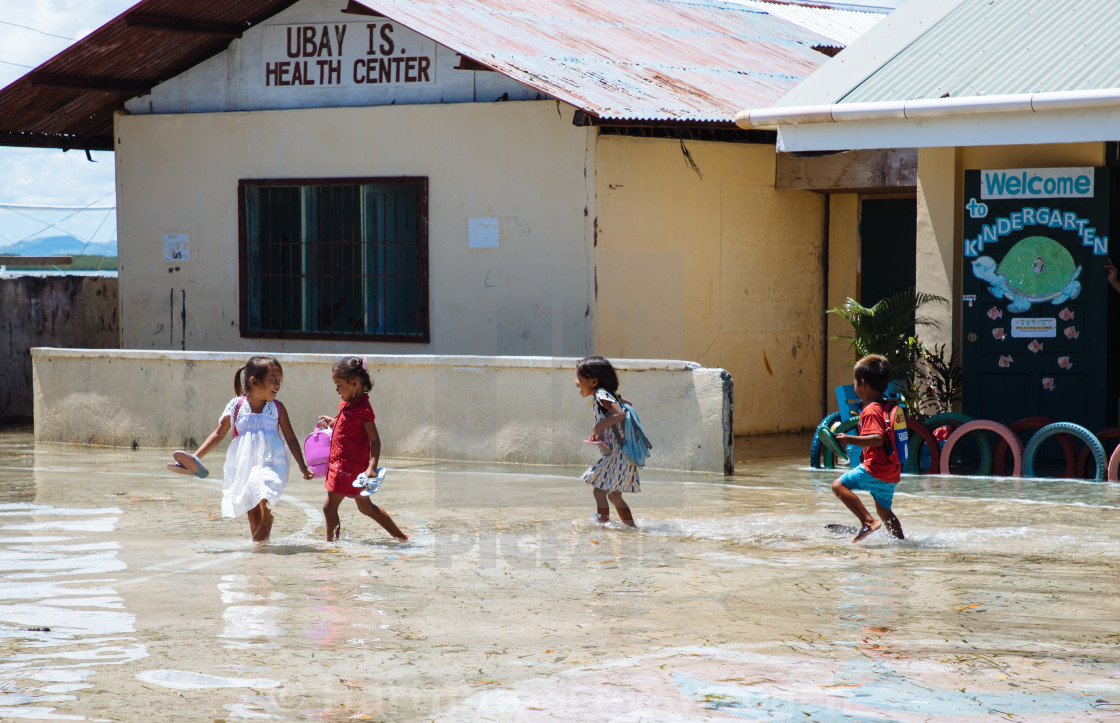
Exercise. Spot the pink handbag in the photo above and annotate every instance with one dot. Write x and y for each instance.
(317, 450)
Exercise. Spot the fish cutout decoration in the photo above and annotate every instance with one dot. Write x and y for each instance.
(998, 333)
(1048, 383)
(995, 313)
(1071, 332)
(1035, 346)
(1065, 363)
(1005, 361)
(1065, 315)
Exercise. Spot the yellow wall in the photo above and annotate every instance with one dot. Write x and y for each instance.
(522, 163)
(936, 238)
(723, 270)
(843, 284)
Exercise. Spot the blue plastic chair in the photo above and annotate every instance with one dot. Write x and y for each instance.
(850, 404)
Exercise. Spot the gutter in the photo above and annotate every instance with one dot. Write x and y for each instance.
(1065, 100)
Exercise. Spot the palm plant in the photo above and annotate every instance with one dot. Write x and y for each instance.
(939, 381)
(887, 328)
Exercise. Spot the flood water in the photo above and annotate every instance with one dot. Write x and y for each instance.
(125, 596)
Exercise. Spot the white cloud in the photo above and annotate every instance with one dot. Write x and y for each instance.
(44, 176)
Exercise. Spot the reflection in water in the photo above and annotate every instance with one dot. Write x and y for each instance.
(249, 625)
(55, 599)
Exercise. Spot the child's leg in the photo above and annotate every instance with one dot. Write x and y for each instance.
(868, 523)
(379, 515)
(622, 507)
(263, 529)
(602, 509)
(254, 516)
(889, 519)
(330, 513)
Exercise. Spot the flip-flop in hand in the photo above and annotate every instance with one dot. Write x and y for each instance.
(370, 485)
(186, 463)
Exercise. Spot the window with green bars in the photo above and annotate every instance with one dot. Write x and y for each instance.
(335, 258)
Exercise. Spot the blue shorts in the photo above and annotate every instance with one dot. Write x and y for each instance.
(860, 479)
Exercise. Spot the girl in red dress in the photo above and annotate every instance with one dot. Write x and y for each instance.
(355, 447)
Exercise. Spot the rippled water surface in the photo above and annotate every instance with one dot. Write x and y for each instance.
(125, 596)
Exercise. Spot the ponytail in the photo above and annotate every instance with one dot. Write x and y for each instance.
(237, 387)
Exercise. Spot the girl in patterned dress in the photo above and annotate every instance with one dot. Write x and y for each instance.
(614, 473)
(355, 447)
(256, 468)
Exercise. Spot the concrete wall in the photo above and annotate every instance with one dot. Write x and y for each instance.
(720, 268)
(502, 409)
(523, 163)
(56, 310)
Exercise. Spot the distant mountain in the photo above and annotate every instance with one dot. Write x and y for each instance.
(59, 246)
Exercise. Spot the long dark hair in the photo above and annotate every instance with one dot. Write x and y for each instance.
(599, 369)
(353, 368)
(256, 368)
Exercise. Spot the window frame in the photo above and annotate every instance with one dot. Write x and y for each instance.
(422, 259)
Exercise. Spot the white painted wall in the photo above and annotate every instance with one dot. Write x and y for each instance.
(525, 409)
(239, 78)
(524, 164)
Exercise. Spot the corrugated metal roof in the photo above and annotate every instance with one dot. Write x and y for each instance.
(997, 47)
(841, 26)
(68, 101)
(632, 60)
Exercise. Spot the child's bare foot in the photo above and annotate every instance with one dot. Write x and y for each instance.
(264, 525)
(602, 515)
(866, 530)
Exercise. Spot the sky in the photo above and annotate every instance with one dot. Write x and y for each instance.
(43, 177)
(32, 32)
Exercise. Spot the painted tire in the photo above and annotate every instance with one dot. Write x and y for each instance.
(922, 434)
(828, 441)
(1075, 430)
(944, 419)
(827, 460)
(984, 425)
(1114, 466)
(815, 447)
(956, 420)
(1105, 435)
(1031, 424)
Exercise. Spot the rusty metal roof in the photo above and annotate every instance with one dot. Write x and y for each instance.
(68, 101)
(626, 60)
(620, 60)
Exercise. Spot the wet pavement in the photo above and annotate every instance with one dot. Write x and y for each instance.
(125, 596)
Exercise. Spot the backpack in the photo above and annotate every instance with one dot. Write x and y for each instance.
(632, 438)
(233, 416)
(897, 435)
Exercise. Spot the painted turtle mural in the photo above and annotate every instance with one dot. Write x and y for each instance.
(1034, 270)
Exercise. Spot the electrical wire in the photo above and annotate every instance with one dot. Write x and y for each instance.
(36, 30)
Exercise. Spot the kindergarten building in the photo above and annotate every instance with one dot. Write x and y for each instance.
(477, 177)
(1014, 109)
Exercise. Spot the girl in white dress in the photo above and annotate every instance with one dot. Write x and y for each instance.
(614, 473)
(257, 462)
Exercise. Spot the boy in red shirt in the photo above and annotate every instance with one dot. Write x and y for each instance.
(879, 470)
